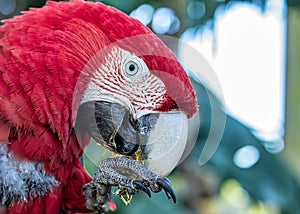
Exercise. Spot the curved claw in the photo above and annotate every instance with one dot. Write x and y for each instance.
(139, 185)
(165, 184)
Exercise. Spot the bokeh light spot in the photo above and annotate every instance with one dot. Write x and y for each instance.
(246, 156)
(196, 9)
(175, 26)
(165, 21)
(143, 13)
(7, 6)
(232, 192)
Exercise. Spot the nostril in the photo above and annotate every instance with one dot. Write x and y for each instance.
(123, 147)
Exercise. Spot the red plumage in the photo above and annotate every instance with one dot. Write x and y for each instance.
(42, 54)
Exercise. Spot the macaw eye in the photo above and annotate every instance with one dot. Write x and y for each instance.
(132, 68)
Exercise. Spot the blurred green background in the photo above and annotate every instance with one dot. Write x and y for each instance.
(272, 184)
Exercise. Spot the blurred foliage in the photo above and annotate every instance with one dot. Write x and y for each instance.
(268, 180)
(292, 91)
(293, 3)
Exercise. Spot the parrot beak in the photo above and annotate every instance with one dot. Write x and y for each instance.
(109, 124)
(160, 137)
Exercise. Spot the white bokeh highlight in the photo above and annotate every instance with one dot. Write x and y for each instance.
(247, 51)
(143, 13)
(246, 157)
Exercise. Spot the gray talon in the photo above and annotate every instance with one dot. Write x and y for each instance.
(139, 185)
(165, 184)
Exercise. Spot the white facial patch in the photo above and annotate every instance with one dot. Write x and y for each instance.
(125, 79)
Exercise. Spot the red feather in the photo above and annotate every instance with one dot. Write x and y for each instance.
(42, 54)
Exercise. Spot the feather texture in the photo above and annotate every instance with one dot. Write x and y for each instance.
(21, 181)
(42, 54)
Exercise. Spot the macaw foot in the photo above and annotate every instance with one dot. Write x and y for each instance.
(130, 176)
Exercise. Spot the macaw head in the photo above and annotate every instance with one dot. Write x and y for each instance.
(137, 94)
(93, 68)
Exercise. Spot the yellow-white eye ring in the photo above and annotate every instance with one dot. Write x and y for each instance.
(131, 68)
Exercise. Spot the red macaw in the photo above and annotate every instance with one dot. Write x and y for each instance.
(74, 70)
